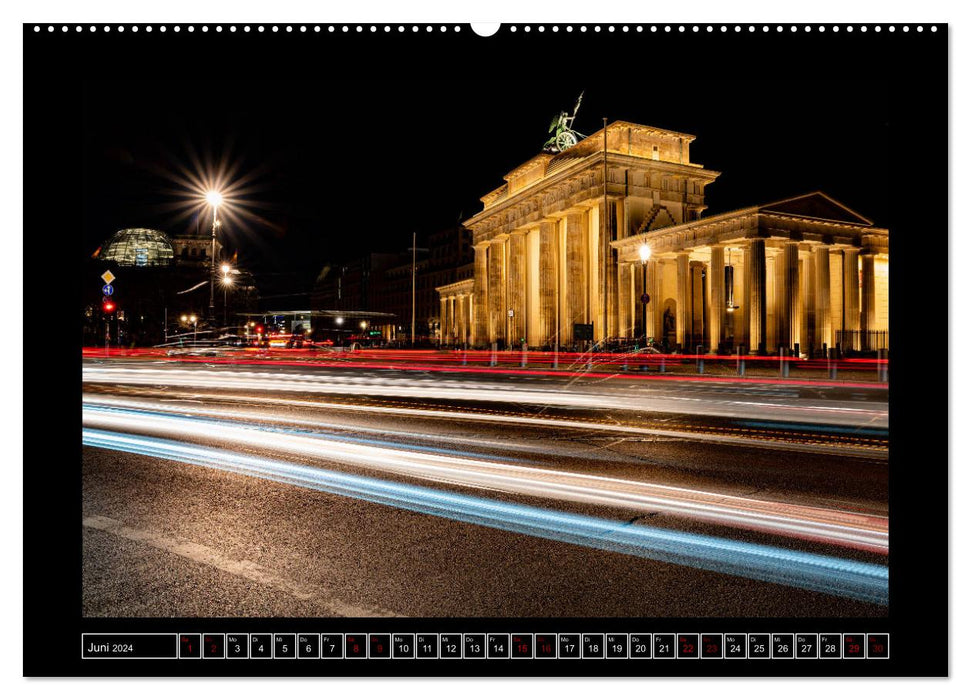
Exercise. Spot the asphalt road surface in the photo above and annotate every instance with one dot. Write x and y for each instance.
(300, 491)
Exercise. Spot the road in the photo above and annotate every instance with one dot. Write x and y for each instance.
(296, 490)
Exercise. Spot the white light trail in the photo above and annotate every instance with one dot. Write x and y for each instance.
(521, 420)
(650, 399)
(843, 528)
(842, 577)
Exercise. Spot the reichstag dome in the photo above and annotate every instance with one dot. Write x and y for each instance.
(138, 247)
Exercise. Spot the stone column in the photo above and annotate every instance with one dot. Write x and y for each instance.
(716, 282)
(824, 325)
(789, 292)
(614, 214)
(851, 289)
(480, 291)
(442, 320)
(868, 299)
(517, 287)
(808, 339)
(460, 320)
(743, 300)
(548, 269)
(624, 298)
(755, 293)
(575, 281)
(497, 291)
(684, 320)
(453, 329)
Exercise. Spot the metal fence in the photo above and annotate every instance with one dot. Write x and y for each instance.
(863, 341)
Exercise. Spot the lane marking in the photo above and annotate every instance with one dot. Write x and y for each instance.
(202, 554)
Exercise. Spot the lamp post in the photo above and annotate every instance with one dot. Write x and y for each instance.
(645, 253)
(215, 199)
(227, 283)
(193, 320)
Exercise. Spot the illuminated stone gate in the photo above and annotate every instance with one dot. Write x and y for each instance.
(800, 273)
(805, 271)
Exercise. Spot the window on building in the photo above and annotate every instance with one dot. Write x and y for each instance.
(655, 153)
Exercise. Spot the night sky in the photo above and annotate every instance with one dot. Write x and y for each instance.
(342, 167)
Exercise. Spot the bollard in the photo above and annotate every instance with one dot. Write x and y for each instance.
(662, 364)
(522, 362)
(701, 360)
(465, 358)
(883, 367)
(740, 361)
(831, 364)
(492, 359)
(783, 363)
(556, 356)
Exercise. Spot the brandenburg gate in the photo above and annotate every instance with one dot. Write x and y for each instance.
(799, 273)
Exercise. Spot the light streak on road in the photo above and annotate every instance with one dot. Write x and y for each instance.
(843, 528)
(520, 420)
(579, 364)
(831, 575)
(665, 399)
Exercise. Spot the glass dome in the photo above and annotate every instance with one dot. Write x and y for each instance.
(138, 247)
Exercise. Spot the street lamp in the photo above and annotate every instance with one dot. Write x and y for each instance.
(227, 283)
(193, 320)
(645, 254)
(214, 199)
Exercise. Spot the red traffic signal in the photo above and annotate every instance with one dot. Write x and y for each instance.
(108, 306)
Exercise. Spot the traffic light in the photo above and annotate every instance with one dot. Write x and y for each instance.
(107, 306)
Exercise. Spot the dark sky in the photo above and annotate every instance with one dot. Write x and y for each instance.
(341, 167)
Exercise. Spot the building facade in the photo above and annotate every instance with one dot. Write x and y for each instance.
(560, 243)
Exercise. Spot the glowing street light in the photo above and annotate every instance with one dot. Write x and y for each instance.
(645, 252)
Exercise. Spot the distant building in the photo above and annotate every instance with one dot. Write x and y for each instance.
(159, 279)
(382, 282)
(354, 285)
(138, 247)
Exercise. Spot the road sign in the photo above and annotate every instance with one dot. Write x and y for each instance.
(108, 277)
(107, 290)
(645, 298)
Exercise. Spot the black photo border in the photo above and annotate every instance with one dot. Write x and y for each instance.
(915, 65)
